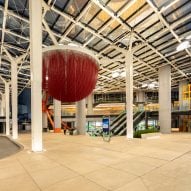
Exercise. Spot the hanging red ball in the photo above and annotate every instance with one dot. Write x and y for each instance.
(69, 75)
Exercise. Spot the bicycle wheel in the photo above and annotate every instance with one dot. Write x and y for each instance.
(106, 137)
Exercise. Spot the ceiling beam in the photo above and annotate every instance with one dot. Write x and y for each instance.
(4, 24)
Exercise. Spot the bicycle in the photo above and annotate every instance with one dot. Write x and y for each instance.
(105, 135)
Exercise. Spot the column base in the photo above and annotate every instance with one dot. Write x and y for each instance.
(57, 130)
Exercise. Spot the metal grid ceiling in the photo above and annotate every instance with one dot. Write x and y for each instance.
(104, 27)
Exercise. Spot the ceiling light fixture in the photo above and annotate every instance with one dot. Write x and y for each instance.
(144, 85)
(155, 83)
(123, 74)
(183, 45)
(72, 44)
(151, 86)
(115, 74)
(188, 37)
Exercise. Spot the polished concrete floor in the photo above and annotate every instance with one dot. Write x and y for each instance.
(72, 163)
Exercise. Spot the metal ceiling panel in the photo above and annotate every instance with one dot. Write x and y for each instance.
(51, 17)
(83, 36)
(19, 6)
(74, 7)
(61, 24)
(179, 12)
(1, 18)
(141, 15)
(161, 3)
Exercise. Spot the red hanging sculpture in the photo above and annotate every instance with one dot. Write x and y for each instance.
(69, 75)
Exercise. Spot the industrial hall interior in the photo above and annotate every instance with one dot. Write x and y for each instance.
(95, 95)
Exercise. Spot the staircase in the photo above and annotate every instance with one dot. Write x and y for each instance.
(118, 126)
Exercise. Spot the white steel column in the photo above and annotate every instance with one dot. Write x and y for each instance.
(7, 108)
(165, 99)
(140, 96)
(81, 117)
(182, 103)
(2, 104)
(129, 92)
(35, 8)
(44, 121)
(14, 100)
(57, 116)
(90, 104)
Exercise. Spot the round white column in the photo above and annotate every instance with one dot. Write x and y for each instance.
(165, 99)
(140, 99)
(81, 117)
(57, 116)
(140, 96)
(7, 108)
(129, 93)
(14, 100)
(35, 10)
(90, 104)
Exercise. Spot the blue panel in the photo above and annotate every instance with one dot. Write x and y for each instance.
(105, 124)
(25, 99)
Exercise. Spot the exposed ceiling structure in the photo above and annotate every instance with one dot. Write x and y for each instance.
(104, 27)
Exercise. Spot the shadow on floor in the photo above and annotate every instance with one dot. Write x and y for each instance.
(8, 147)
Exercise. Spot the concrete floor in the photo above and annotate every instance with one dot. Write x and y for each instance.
(73, 163)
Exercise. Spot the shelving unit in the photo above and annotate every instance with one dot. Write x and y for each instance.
(187, 95)
(186, 119)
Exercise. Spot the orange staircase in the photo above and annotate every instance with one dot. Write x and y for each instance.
(50, 113)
